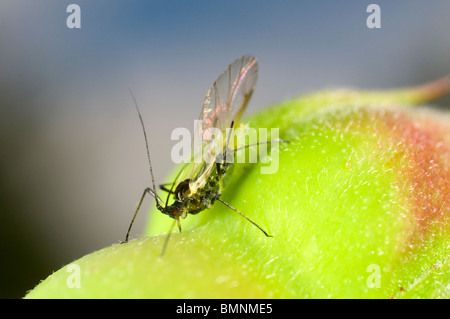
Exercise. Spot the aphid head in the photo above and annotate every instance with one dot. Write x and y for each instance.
(174, 210)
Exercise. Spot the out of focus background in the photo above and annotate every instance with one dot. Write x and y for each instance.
(73, 162)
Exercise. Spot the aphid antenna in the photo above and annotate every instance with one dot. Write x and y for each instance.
(152, 191)
(145, 137)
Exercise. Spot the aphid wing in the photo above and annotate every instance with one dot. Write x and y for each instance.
(225, 102)
(229, 95)
(202, 176)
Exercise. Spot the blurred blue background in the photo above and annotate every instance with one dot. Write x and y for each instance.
(73, 161)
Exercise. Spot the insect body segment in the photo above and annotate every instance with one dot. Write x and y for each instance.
(199, 186)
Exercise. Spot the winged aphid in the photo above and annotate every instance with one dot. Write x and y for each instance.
(196, 188)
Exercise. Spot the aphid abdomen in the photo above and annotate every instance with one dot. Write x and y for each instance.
(204, 197)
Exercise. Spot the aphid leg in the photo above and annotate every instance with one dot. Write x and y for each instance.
(251, 221)
(167, 239)
(163, 187)
(148, 190)
(256, 144)
(218, 167)
(176, 221)
(228, 142)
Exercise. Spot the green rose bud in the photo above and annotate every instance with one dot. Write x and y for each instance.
(358, 208)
